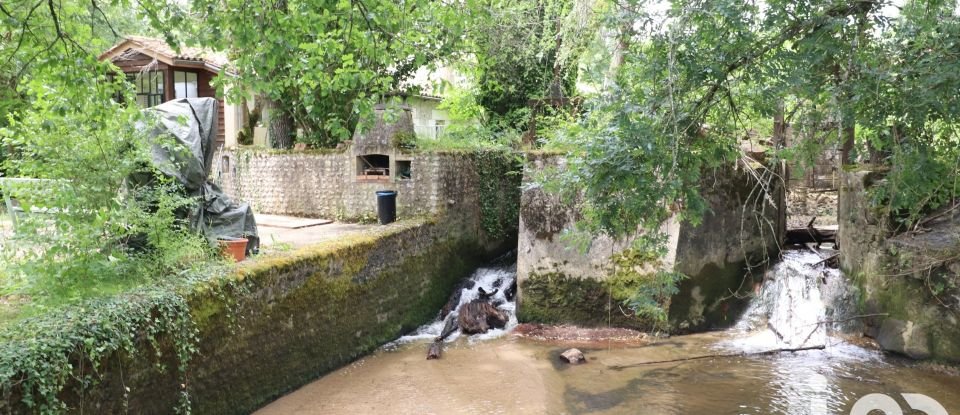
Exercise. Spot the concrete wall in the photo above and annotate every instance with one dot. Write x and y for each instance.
(911, 278)
(425, 116)
(560, 284)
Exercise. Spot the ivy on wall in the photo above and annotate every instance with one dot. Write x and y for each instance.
(500, 173)
(43, 354)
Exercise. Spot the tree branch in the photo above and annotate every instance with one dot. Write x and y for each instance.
(792, 32)
(718, 355)
(105, 19)
(4, 10)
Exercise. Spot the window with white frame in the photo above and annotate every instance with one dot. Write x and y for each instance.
(185, 84)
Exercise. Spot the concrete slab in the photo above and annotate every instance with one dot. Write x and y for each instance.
(289, 222)
(276, 238)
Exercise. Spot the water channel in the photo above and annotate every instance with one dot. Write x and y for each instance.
(502, 373)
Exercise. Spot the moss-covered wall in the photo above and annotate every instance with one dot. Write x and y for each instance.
(555, 298)
(276, 323)
(912, 280)
(729, 250)
(562, 284)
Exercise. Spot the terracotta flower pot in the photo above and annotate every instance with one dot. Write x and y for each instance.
(235, 248)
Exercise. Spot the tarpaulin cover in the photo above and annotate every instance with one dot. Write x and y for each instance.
(192, 123)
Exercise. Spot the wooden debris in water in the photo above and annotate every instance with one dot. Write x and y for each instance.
(719, 355)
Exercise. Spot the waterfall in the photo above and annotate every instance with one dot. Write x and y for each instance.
(499, 278)
(792, 310)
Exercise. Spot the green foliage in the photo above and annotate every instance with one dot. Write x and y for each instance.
(88, 241)
(326, 62)
(85, 145)
(639, 281)
(404, 140)
(500, 175)
(517, 46)
(36, 353)
(469, 128)
(698, 76)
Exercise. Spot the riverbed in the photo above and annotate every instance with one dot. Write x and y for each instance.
(513, 375)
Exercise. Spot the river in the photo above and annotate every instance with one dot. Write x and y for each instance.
(504, 373)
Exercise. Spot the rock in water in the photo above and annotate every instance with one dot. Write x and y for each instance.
(478, 317)
(511, 291)
(434, 351)
(573, 356)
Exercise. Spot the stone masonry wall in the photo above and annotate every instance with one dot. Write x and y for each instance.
(911, 281)
(326, 185)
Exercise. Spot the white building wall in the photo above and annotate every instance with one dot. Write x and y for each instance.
(428, 120)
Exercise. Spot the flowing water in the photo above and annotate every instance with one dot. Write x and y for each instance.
(800, 305)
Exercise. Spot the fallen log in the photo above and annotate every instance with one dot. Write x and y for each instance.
(832, 261)
(484, 295)
(454, 299)
(433, 352)
(718, 355)
(478, 316)
(436, 348)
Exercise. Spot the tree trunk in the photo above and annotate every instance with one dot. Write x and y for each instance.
(279, 125)
(848, 134)
(782, 168)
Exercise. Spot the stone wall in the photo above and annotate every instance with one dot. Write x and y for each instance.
(561, 284)
(326, 185)
(334, 184)
(912, 279)
(277, 323)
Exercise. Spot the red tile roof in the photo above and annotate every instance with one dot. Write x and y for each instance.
(161, 50)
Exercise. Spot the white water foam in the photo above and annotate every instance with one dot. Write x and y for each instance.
(789, 312)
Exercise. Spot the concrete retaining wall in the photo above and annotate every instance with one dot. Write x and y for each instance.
(560, 284)
(913, 278)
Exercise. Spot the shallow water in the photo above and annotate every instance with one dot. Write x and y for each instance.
(499, 373)
(512, 375)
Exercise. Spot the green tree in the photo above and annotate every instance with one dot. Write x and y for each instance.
(65, 125)
(520, 53)
(325, 63)
(703, 74)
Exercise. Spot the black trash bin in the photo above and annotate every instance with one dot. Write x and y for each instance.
(386, 206)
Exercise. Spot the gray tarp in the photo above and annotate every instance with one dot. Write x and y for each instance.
(192, 122)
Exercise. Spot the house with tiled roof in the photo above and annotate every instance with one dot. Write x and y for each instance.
(160, 73)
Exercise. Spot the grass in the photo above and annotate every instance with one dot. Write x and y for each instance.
(448, 143)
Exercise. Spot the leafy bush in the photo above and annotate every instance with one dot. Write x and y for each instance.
(96, 229)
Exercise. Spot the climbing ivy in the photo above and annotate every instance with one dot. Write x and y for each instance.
(500, 175)
(42, 354)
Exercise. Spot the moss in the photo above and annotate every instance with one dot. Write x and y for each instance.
(321, 307)
(276, 323)
(717, 308)
(554, 298)
(275, 151)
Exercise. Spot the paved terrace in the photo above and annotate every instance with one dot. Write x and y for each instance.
(279, 232)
